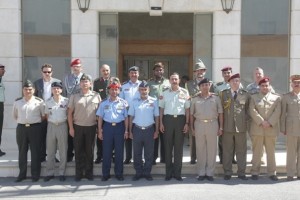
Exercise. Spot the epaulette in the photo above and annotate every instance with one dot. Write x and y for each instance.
(196, 94)
(17, 99)
(220, 83)
(39, 99)
(243, 90)
(165, 88)
(125, 82)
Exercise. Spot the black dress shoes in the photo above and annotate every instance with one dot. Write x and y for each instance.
(48, 178)
(2, 153)
(136, 177)
(98, 161)
(274, 178)
(167, 178)
(120, 178)
(179, 178)
(105, 178)
(62, 178)
(20, 179)
(243, 177)
(193, 162)
(201, 178)
(227, 177)
(127, 161)
(254, 177)
(210, 178)
(35, 179)
(148, 178)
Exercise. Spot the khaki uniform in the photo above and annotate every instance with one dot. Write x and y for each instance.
(235, 128)
(290, 124)
(194, 90)
(174, 104)
(205, 112)
(264, 107)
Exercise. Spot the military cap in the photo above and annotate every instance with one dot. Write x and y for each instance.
(114, 85)
(57, 84)
(227, 68)
(144, 84)
(28, 83)
(85, 77)
(133, 68)
(295, 77)
(234, 76)
(76, 62)
(199, 65)
(2, 66)
(264, 80)
(205, 80)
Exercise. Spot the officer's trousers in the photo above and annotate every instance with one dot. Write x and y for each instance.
(293, 155)
(159, 144)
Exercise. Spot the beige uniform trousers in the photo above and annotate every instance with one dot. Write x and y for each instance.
(206, 146)
(293, 155)
(258, 142)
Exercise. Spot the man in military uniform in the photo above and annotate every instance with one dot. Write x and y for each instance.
(113, 129)
(264, 109)
(82, 126)
(100, 86)
(174, 123)
(28, 111)
(206, 117)
(72, 86)
(290, 126)
(157, 85)
(57, 131)
(129, 92)
(2, 98)
(193, 88)
(144, 113)
(258, 74)
(235, 103)
(43, 91)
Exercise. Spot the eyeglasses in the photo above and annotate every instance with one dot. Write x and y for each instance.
(47, 72)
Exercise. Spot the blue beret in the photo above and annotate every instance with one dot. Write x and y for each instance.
(144, 84)
(57, 84)
(133, 68)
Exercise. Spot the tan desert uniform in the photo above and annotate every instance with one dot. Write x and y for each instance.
(290, 123)
(264, 107)
(235, 128)
(205, 112)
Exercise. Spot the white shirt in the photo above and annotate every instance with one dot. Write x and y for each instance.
(47, 90)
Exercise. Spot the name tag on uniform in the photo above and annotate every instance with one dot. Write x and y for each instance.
(106, 107)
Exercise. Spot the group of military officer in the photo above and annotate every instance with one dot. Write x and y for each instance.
(142, 113)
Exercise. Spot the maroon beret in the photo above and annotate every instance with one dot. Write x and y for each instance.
(227, 68)
(234, 76)
(264, 80)
(114, 85)
(75, 62)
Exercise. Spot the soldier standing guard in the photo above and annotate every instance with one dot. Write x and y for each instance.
(113, 129)
(174, 123)
(82, 126)
(193, 88)
(144, 113)
(264, 109)
(206, 117)
(57, 131)
(235, 103)
(290, 126)
(157, 85)
(29, 112)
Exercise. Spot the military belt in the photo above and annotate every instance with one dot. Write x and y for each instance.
(29, 125)
(207, 120)
(143, 127)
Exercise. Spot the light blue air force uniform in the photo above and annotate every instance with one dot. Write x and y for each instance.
(130, 91)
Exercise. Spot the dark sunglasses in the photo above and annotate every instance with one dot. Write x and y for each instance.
(47, 72)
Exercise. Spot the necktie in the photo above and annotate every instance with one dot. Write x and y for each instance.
(235, 95)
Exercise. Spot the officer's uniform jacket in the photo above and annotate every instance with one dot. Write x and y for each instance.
(235, 111)
(193, 88)
(265, 107)
(71, 84)
(290, 114)
(157, 87)
(100, 86)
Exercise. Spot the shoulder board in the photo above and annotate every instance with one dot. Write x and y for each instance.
(183, 90)
(39, 99)
(243, 90)
(165, 88)
(17, 99)
(124, 82)
(220, 83)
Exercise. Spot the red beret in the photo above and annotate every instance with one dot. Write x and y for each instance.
(227, 68)
(76, 62)
(264, 80)
(234, 76)
(114, 85)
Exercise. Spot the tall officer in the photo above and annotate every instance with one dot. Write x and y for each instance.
(264, 109)
(82, 126)
(57, 131)
(113, 129)
(206, 117)
(235, 103)
(193, 88)
(2, 98)
(290, 126)
(43, 91)
(100, 86)
(174, 123)
(29, 111)
(129, 92)
(157, 85)
(144, 113)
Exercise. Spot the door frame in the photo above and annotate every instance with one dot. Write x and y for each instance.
(155, 48)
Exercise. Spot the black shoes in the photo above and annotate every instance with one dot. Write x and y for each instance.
(178, 178)
(62, 178)
(227, 177)
(98, 160)
(120, 178)
(148, 178)
(2, 153)
(154, 162)
(243, 177)
(77, 179)
(136, 177)
(20, 179)
(210, 178)
(48, 178)
(290, 178)
(35, 180)
(201, 178)
(167, 178)
(127, 161)
(274, 178)
(70, 159)
(254, 177)
(193, 162)
(234, 161)
(105, 178)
